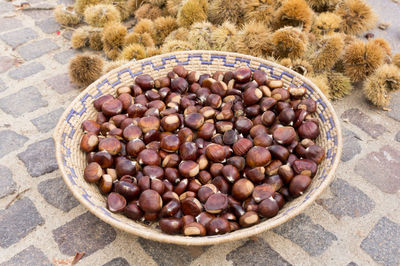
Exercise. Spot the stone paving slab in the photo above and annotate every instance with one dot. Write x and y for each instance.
(355, 221)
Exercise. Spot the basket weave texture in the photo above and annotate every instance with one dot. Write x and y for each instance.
(72, 161)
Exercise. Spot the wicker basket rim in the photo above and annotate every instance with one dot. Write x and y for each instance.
(206, 240)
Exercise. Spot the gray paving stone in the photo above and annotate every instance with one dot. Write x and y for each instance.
(38, 14)
(18, 37)
(47, 121)
(18, 221)
(255, 253)
(49, 25)
(39, 158)
(347, 200)
(67, 34)
(61, 83)
(364, 122)
(36, 49)
(55, 192)
(6, 62)
(3, 86)
(117, 262)
(10, 141)
(313, 238)
(25, 100)
(29, 256)
(65, 2)
(6, 7)
(9, 23)
(7, 184)
(85, 233)
(395, 106)
(383, 242)
(351, 145)
(397, 137)
(64, 56)
(381, 169)
(169, 254)
(26, 70)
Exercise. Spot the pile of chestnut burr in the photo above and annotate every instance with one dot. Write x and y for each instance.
(202, 154)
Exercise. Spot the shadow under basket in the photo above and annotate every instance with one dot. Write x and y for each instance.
(72, 161)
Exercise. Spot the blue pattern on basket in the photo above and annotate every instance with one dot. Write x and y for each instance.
(166, 62)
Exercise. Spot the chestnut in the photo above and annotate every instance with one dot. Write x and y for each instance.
(256, 174)
(170, 208)
(206, 131)
(219, 87)
(230, 173)
(133, 211)
(111, 107)
(242, 74)
(204, 177)
(218, 226)
(286, 116)
(188, 168)
(170, 122)
(263, 140)
(194, 120)
(268, 208)
(308, 130)
(194, 229)
(191, 206)
(181, 187)
(230, 137)
(170, 143)
(132, 132)
(115, 202)
(252, 96)
(315, 153)
(170, 225)
(89, 142)
(171, 160)
(248, 219)
(279, 152)
(237, 161)
(150, 201)
(149, 157)
(284, 135)
(179, 85)
(153, 171)
(272, 168)
(305, 167)
(98, 103)
(129, 190)
(257, 156)
(105, 184)
(298, 185)
(242, 189)
(103, 158)
(242, 146)
(144, 81)
(134, 147)
(216, 153)
(243, 125)
(262, 192)
(90, 126)
(110, 144)
(205, 192)
(188, 151)
(268, 118)
(204, 218)
(286, 173)
(126, 167)
(92, 172)
(216, 203)
(148, 123)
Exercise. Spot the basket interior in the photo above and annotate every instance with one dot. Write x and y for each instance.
(72, 160)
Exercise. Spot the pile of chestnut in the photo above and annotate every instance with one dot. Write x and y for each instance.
(202, 154)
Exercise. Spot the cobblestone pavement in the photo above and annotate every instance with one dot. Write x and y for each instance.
(355, 222)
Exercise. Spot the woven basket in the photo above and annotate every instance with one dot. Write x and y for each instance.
(72, 161)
